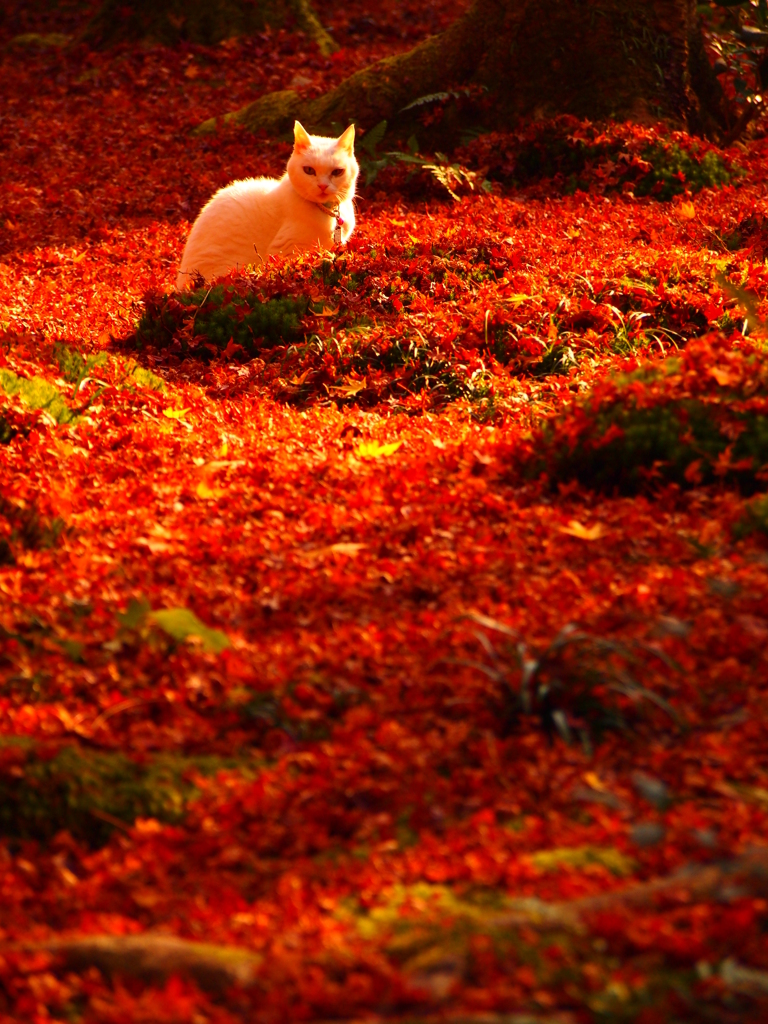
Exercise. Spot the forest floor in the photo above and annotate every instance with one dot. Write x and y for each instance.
(407, 651)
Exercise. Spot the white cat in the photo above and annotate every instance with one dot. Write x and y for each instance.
(306, 208)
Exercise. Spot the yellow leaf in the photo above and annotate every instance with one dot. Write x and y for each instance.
(686, 211)
(204, 490)
(328, 311)
(373, 450)
(176, 414)
(575, 529)
(349, 388)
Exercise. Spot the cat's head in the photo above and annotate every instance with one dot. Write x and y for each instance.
(323, 170)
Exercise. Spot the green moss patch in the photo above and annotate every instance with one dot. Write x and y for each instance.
(37, 393)
(44, 789)
(147, 379)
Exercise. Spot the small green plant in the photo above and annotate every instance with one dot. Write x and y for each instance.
(28, 528)
(74, 367)
(579, 685)
(558, 360)
(754, 519)
(450, 175)
(580, 155)
(370, 161)
(211, 320)
(679, 441)
(675, 170)
(7, 431)
(423, 369)
(695, 418)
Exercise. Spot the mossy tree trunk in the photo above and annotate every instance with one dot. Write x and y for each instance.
(594, 58)
(199, 21)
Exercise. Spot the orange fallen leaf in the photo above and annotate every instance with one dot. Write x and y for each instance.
(594, 781)
(349, 548)
(723, 377)
(576, 529)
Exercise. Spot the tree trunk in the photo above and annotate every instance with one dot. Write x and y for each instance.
(199, 21)
(642, 59)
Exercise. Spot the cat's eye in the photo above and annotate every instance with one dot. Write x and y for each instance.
(309, 170)
(337, 172)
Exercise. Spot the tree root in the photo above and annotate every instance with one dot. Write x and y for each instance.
(155, 957)
(372, 94)
(746, 875)
(310, 25)
(531, 58)
(274, 113)
(200, 21)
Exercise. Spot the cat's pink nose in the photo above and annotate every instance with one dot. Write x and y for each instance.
(323, 188)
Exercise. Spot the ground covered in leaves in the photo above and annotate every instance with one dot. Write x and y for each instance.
(392, 622)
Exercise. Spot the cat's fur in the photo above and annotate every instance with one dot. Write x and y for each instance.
(267, 216)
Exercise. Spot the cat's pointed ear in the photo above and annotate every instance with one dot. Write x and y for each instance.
(301, 139)
(347, 140)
